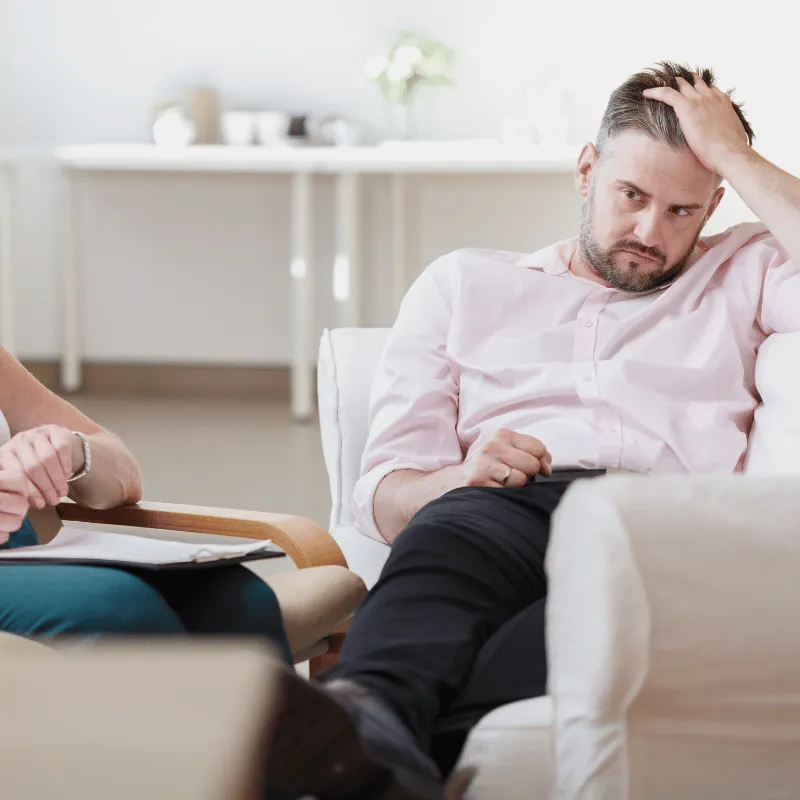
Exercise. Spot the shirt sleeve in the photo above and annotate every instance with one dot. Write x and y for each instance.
(780, 298)
(414, 397)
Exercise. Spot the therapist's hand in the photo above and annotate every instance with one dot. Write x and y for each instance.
(47, 456)
(13, 502)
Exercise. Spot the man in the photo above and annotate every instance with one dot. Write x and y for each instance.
(507, 376)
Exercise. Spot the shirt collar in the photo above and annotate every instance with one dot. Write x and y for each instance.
(553, 259)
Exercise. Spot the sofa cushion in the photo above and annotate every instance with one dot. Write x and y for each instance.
(510, 751)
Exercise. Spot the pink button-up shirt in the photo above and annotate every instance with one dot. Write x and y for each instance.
(655, 382)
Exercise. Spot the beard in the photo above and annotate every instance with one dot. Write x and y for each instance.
(629, 278)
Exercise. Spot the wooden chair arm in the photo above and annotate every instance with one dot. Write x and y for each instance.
(305, 542)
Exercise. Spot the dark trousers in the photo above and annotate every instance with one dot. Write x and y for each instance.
(455, 626)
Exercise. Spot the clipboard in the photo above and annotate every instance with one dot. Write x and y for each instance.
(92, 547)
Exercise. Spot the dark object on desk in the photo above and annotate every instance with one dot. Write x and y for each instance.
(298, 127)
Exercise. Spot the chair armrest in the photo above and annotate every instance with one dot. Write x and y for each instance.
(305, 542)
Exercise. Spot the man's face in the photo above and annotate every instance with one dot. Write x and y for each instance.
(646, 205)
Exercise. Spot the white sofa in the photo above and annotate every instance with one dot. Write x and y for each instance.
(673, 635)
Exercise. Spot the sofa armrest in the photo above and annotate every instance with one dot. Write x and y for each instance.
(305, 542)
(672, 636)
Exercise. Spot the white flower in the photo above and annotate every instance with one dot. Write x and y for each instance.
(375, 67)
(408, 55)
(399, 71)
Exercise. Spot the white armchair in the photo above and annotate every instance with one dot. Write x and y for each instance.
(673, 646)
(347, 361)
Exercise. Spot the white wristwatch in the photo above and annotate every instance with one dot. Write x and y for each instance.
(87, 458)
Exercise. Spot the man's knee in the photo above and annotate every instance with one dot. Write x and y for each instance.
(457, 515)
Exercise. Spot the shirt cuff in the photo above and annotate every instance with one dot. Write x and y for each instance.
(364, 498)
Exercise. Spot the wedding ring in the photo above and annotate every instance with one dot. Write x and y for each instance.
(506, 476)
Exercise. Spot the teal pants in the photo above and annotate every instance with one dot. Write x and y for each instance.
(50, 600)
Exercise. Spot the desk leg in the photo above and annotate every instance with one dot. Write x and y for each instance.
(7, 323)
(346, 267)
(71, 378)
(302, 299)
(399, 226)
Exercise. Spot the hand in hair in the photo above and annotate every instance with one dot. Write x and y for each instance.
(708, 119)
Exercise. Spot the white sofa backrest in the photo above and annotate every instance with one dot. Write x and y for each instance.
(348, 358)
(774, 446)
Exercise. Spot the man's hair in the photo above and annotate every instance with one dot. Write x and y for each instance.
(629, 109)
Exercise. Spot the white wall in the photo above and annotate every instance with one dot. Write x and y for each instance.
(195, 268)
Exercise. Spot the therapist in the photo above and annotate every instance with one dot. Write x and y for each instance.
(49, 450)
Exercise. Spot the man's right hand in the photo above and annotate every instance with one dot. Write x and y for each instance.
(522, 454)
(402, 493)
(13, 502)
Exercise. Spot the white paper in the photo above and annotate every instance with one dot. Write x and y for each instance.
(96, 545)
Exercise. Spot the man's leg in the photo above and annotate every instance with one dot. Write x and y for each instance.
(465, 565)
(511, 666)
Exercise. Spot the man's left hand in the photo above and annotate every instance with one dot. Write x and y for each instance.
(708, 119)
(47, 456)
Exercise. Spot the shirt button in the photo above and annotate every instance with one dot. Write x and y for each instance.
(587, 377)
(589, 323)
(615, 429)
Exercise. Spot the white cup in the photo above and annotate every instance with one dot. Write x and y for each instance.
(340, 132)
(237, 128)
(272, 127)
(172, 128)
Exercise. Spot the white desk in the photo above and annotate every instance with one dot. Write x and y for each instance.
(346, 163)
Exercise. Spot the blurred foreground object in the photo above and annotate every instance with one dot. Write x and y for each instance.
(132, 721)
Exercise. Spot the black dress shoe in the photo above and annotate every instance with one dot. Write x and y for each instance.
(339, 742)
(385, 737)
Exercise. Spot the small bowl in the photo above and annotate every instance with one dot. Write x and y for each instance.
(237, 128)
(272, 127)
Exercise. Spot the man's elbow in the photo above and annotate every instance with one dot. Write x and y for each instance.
(389, 505)
(387, 527)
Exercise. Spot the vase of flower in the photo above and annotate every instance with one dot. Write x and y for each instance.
(401, 120)
(412, 63)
